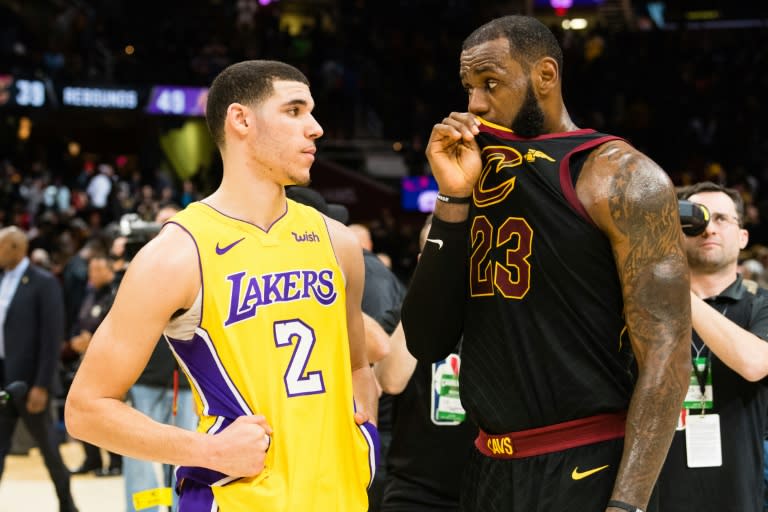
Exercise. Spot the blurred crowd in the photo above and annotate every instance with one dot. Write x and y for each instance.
(691, 99)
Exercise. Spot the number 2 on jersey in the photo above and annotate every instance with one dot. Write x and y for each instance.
(298, 383)
(512, 275)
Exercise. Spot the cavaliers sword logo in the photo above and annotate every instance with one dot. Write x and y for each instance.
(495, 158)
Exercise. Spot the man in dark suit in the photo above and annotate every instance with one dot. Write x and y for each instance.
(31, 333)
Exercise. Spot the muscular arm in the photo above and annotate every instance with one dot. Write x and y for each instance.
(363, 380)
(162, 279)
(633, 202)
(741, 350)
(433, 309)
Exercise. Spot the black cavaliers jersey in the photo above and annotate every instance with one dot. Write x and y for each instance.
(544, 336)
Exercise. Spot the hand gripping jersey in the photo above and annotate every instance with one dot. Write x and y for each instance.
(272, 340)
(544, 335)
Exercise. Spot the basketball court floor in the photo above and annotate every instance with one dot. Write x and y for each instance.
(26, 487)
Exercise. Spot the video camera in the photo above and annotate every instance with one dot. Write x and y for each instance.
(13, 397)
(136, 231)
(694, 217)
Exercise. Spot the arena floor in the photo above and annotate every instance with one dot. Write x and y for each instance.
(26, 487)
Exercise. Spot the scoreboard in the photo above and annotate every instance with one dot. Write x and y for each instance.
(23, 93)
(176, 100)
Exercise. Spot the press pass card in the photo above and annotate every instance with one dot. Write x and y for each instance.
(446, 405)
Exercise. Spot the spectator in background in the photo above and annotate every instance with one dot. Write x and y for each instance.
(431, 436)
(31, 335)
(41, 258)
(382, 298)
(96, 304)
(164, 395)
(188, 193)
(383, 290)
(100, 186)
(716, 458)
(74, 278)
(753, 270)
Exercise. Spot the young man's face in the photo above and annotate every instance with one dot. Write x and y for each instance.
(499, 89)
(284, 133)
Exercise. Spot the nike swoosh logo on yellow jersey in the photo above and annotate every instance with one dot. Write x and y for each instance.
(576, 475)
(222, 250)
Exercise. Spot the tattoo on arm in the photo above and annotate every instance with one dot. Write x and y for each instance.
(654, 276)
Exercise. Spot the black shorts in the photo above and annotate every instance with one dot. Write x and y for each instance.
(401, 495)
(573, 480)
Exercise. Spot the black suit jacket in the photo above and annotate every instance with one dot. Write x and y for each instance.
(34, 329)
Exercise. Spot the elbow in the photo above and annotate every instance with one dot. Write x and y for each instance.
(377, 352)
(74, 417)
(754, 371)
(392, 388)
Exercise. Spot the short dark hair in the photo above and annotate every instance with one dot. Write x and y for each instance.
(708, 186)
(529, 39)
(248, 82)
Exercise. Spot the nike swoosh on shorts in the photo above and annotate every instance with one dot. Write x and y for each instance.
(576, 475)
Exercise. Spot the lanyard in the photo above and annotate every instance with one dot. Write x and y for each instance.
(701, 375)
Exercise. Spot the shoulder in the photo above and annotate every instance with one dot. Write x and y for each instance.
(618, 183)
(619, 160)
(172, 247)
(168, 261)
(342, 238)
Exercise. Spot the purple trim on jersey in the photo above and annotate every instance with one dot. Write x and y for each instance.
(199, 269)
(196, 498)
(201, 476)
(509, 135)
(194, 477)
(374, 446)
(566, 182)
(213, 383)
(245, 221)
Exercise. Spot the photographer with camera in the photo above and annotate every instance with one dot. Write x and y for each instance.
(31, 334)
(715, 462)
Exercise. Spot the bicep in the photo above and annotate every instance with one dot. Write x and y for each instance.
(640, 217)
(154, 287)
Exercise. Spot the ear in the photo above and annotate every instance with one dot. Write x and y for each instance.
(238, 118)
(743, 238)
(545, 75)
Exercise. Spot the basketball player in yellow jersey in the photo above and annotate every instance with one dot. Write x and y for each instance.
(260, 299)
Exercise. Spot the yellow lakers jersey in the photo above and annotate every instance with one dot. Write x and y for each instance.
(272, 340)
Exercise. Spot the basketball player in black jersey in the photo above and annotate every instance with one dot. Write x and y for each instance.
(557, 253)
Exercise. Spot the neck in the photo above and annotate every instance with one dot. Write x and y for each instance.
(561, 121)
(248, 197)
(710, 284)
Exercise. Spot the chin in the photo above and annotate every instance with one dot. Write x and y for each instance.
(302, 181)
